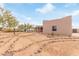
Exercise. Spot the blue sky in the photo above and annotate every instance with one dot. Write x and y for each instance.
(35, 13)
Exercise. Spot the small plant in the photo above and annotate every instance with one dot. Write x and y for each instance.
(52, 34)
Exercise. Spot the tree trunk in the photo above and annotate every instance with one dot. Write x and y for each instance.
(14, 31)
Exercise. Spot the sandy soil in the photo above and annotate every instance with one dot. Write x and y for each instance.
(37, 44)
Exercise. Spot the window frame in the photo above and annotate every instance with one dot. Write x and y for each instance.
(54, 28)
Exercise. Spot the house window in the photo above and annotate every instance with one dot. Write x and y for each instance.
(74, 30)
(54, 28)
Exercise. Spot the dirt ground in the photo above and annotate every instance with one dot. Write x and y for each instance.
(37, 44)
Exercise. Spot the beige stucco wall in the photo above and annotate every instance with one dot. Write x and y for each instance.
(77, 30)
(64, 26)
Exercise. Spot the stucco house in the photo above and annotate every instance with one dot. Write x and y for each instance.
(62, 26)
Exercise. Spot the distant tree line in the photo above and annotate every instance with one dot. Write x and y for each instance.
(26, 27)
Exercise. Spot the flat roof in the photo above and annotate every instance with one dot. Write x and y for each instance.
(56, 19)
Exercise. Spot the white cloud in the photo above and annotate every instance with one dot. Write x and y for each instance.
(74, 13)
(46, 8)
(28, 18)
(2, 5)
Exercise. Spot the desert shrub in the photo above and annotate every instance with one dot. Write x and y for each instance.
(8, 30)
(52, 34)
(0, 28)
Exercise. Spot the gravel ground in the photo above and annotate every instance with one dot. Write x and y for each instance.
(37, 44)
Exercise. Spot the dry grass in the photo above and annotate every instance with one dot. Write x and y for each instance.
(37, 44)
